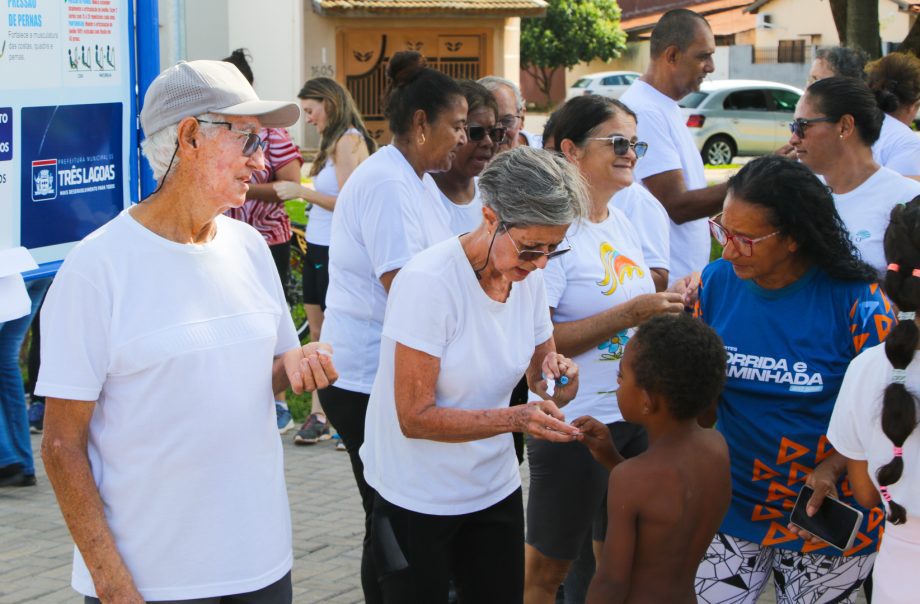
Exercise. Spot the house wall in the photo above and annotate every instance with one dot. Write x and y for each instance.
(795, 19)
(634, 58)
(812, 19)
(742, 67)
(291, 43)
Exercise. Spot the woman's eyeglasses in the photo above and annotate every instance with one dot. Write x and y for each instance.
(800, 124)
(533, 255)
(744, 245)
(477, 133)
(253, 140)
(622, 145)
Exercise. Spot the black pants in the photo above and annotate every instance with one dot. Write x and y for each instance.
(279, 592)
(281, 254)
(482, 551)
(346, 410)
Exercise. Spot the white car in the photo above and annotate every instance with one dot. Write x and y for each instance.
(606, 83)
(728, 118)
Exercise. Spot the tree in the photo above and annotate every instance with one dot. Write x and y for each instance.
(912, 42)
(571, 32)
(857, 25)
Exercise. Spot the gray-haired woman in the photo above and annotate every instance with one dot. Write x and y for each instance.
(465, 318)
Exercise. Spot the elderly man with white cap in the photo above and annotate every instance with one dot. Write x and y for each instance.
(167, 318)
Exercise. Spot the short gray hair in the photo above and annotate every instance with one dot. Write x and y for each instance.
(493, 83)
(159, 147)
(845, 62)
(532, 187)
(678, 27)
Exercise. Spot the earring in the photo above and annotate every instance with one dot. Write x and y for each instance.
(421, 139)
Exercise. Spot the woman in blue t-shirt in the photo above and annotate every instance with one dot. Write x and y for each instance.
(793, 303)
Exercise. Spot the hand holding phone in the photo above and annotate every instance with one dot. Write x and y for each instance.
(835, 522)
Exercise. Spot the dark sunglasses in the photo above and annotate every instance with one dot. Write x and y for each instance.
(477, 133)
(621, 145)
(799, 125)
(253, 140)
(533, 255)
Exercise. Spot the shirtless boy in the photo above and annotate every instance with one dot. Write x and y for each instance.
(665, 505)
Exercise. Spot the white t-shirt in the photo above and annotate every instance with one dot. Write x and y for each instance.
(384, 215)
(866, 211)
(856, 432)
(168, 338)
(326, 181)
(604, 269)
(670, 147)
(898, 148)
(464, 218)
(650, 220)
(438, 307)
(533, 140)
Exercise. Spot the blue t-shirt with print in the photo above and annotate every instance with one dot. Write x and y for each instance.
(788, 350)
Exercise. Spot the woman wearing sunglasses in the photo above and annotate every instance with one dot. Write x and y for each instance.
(458, 187)
(794, 304)
(837, 121)
(596, 294)
(387, 211)
(465, 319)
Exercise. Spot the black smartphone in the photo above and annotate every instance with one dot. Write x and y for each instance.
(834, 522)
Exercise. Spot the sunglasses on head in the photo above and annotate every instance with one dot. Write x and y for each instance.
(477, 133)
(800, 124)
(621, 145)
(253, 140)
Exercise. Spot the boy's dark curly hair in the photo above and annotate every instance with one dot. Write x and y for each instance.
(683, 360)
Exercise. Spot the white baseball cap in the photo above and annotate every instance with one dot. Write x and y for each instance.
(192, 88)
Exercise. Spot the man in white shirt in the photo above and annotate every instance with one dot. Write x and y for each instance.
(511, 111)
(168, 317)
(682, 46)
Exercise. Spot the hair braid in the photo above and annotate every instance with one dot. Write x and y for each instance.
(899, 406)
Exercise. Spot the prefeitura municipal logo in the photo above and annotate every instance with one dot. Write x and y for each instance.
(44, 179)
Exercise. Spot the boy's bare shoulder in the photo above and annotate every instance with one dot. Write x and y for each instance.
(706, 448)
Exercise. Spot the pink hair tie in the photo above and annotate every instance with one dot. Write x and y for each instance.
(898, 452)
(894, 267)
(885, 494)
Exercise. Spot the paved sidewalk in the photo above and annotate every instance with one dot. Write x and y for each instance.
(36, 550)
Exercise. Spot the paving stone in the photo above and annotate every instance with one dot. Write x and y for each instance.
(327, 519)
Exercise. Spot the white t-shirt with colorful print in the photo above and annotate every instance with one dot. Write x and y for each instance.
(604, 269)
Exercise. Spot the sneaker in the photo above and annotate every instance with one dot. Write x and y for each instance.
(285, 421)
(36, 417)
(13, 476)
(339, 443)
(315, 429)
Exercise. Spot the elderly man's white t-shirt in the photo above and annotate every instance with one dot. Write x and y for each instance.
(866, 211)
(670, 147)
(384, 215)
(604, 269)
(897, 148)
(175, 343)
(856, 432)
(650, 220)
(484, 346)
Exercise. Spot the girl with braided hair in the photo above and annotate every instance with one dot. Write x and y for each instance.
(875, 418)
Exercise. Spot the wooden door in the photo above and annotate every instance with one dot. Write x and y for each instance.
(365, 53)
